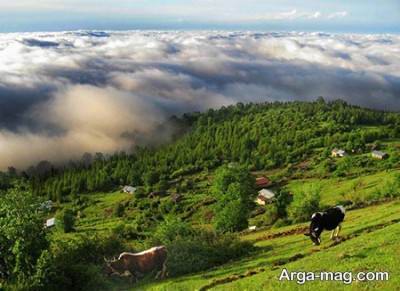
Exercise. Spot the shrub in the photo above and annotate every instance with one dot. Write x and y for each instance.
(268, 217)
(344, 165)
(67, 219)
(22, 236)
(283, 200)
(281, 222)
(232, 217)
(203, 251)
(76, 264)
(126, 231)
(140, 192)
(166, 207)
(119, 210)
(191, 250)
(162, 186)
(304, 204)
(390, 189)
(170, 229)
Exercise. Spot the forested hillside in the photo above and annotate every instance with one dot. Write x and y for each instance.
(259, 136)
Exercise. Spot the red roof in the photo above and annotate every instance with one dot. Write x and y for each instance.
(262, 182)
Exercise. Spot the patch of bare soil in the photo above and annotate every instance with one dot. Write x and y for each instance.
(293, 231)
(231, 278)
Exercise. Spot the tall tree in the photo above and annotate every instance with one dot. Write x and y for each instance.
(234, 190)
(22, 235)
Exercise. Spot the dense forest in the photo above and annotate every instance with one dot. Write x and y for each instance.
(259, 136)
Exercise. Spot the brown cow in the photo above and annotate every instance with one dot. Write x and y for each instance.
(141, 263)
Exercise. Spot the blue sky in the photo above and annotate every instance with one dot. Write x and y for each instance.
(365, 16)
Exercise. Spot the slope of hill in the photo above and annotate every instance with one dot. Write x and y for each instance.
(290, 143)
(287, 142)
(369, 243)
(260, 136)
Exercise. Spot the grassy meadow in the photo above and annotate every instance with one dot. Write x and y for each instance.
(369, 243)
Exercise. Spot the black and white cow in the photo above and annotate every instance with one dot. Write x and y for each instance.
(330, 219)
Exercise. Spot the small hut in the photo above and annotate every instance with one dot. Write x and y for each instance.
(51, 222)
(379, 155)
(338, 153)
(265, 196)
(129, 189)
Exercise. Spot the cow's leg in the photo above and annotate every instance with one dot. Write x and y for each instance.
(161, 273)
(333, 233)
(164, 271)
(339, 227)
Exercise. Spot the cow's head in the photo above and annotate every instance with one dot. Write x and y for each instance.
(113, 266)
(315, 228)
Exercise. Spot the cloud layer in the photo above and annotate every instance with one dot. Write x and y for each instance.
(63, 94)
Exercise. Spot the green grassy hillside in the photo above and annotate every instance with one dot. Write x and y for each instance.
(369, 242)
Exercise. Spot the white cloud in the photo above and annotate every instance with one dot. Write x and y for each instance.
(315, 15)
(62, 94)
(295, 14)
(340, 14)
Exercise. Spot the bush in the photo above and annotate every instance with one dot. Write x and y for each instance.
(203, 251)
(67, 219)
(22, 237)
(119, 210)
(171, 229)
(305, 203)
(390, 189)
(126, 231)
(280, 223)
(232, 217)
(140, 192)
(166, 207)
(283, 200)
(268, 217)
(76, 264)
(191, 250)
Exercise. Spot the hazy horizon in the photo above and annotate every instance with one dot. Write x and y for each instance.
(300, 15)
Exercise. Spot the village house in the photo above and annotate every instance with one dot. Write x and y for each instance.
(265, 196)
(252, 228)
(338, 153)
(50, 222)
(262, 182)
(129, 189)
(379, 155)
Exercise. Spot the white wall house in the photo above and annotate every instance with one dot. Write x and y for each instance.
(50, 222)
(129, 189)
(379, 155)
(265, 196)
(338, 153)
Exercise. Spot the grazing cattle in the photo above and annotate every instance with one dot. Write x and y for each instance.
(137, 264)
(330, 219)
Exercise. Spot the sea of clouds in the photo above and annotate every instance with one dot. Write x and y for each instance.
(63, 94)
